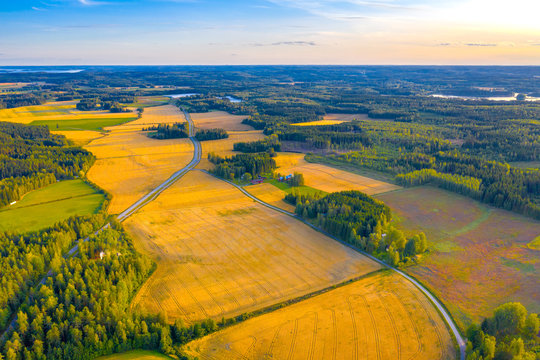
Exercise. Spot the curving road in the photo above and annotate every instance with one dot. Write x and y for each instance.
(442, 310)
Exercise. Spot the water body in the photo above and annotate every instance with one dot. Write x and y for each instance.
(176, 96)
(231, 99)
(494, 98)
(16, 70)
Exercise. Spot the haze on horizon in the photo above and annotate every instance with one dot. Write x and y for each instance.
(92, 32)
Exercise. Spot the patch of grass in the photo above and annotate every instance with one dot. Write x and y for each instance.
(526, 164)
(535, 244)
(49, 205)
(528, 268)
(96, 124)
(135, 355)
(302, 190)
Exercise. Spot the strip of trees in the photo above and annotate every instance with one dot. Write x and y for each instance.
(168, 131)
(268, 144)
(211, 134)
(234, 167)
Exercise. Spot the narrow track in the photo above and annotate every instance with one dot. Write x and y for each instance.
(442, 310)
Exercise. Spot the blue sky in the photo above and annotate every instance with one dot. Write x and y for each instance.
(269, 32)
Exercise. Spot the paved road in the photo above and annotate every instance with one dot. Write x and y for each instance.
(460, 340)
(138, 205)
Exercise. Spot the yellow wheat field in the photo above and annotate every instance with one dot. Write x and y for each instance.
(130, 164)
(329, 179)
(220, 119)
(224, 147)
(271, 195)
(333, 119)
(220, 254)
(80, 137)
(58, 111)
(165, 114)
(381, 317)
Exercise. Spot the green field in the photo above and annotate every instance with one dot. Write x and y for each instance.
(301, 190)
(95, 124)
(135, 355)
(44, 207)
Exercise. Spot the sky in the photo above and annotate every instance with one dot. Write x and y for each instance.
(178, 32)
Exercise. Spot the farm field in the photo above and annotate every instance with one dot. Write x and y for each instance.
(220, 254)
(379, 317)
(271, 195)
(135, 355)
(130, 164)
(220, 119)
(332, 119)
(480, 257)
(327, 178)
(65, 115)
(80, 138)
(46, 206)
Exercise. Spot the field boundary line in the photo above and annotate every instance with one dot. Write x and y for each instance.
(431, 297)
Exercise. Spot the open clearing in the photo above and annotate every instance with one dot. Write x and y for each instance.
(480, 256)
(332, 119)
(63, 115)
(130, 164)
(135, 355)
(220, 119)
(327, 178)
(49, 205)
(220, 254)
(380, 317)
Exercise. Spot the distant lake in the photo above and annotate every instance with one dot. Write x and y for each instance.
(231, 99)
(69, 71)
(494, 98)
(176, 96)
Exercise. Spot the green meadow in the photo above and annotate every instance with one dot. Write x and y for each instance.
(49, 205)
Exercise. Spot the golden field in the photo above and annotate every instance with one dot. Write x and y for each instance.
(333, 119)
(220, 119)
(80, 138)
(271, 195)
(378, 317)
(327, 178)
(220, 254)
(57, 111)
(129, 164)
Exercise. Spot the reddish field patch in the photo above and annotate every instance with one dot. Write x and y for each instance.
(479, 257)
